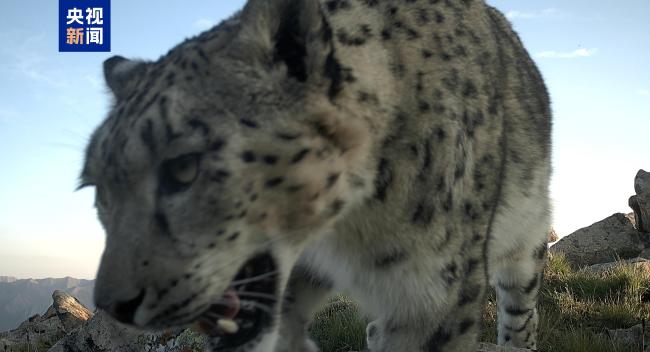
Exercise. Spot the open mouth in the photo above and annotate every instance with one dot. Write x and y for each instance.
(247, 306)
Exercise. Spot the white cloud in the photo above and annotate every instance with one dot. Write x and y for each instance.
(643, 92)
(204, 24)
(546, 13)
(582, 52)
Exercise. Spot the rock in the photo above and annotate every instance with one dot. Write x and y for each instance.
(101, 333)
(640, 202)
(606, 241)
(44, 329)
(638, 264)
(631, 337)
(552, 236)
(488, 347)
(69, 310)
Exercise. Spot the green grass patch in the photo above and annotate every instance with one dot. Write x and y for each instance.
(575, 306)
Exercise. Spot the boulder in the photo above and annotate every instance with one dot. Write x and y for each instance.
(639, 265)
(606, 241)
(552, 236)
(640, 202)
(69, 310)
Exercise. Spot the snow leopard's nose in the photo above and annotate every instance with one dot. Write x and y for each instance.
(124, 311)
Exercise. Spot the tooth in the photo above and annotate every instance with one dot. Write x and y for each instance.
(228, 326)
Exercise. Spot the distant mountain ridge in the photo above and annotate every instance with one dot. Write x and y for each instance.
(23, 298)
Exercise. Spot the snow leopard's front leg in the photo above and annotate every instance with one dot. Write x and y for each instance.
(450, 323)
(305, 293)
(517, 288)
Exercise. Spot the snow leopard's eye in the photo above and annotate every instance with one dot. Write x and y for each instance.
(179, 173)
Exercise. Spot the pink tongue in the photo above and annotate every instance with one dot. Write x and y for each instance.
(232, 304)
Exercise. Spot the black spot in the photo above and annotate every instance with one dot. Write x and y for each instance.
(424, 213)
(336, 207)
(412, 34)
(469, 90)
(146, 134)
(459, 172)
(383, 180)
(145, 263)
(331, 180)
(426, 53)
(450, 273)
(470, 293)
(365, 30)
(219, 176)
(427, 162)
(391, 259)
(335, 5)
(347, 39)
(148, 104)
(438, 340)
(195, 66)
(249, 123)
(386, 34)
(471, 266)
(163, 225)
(300, 155)
(424, 106)
(294, 188)
(203, 55)
(217, 145)
(274, 182)
(248, 156)
(469, 211)
(422, 16)
(233, 237)
(465, 325)
(287, 136)
(333, 70)
(196, 124)
(439, 17)
(540, 252)
(270, 159)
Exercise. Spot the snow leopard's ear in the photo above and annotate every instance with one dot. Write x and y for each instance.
(121, 73)
(292, 34)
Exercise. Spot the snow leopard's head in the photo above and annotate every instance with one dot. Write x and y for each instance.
(216, 165)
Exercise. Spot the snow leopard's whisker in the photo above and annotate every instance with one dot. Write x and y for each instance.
(257, 295)
(255, 278)
(268, 310)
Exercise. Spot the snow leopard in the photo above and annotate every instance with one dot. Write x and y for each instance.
(398, 152)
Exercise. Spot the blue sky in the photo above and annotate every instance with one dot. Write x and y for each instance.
(593, 55)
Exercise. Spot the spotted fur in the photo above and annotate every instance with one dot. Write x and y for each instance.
(398, 151)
